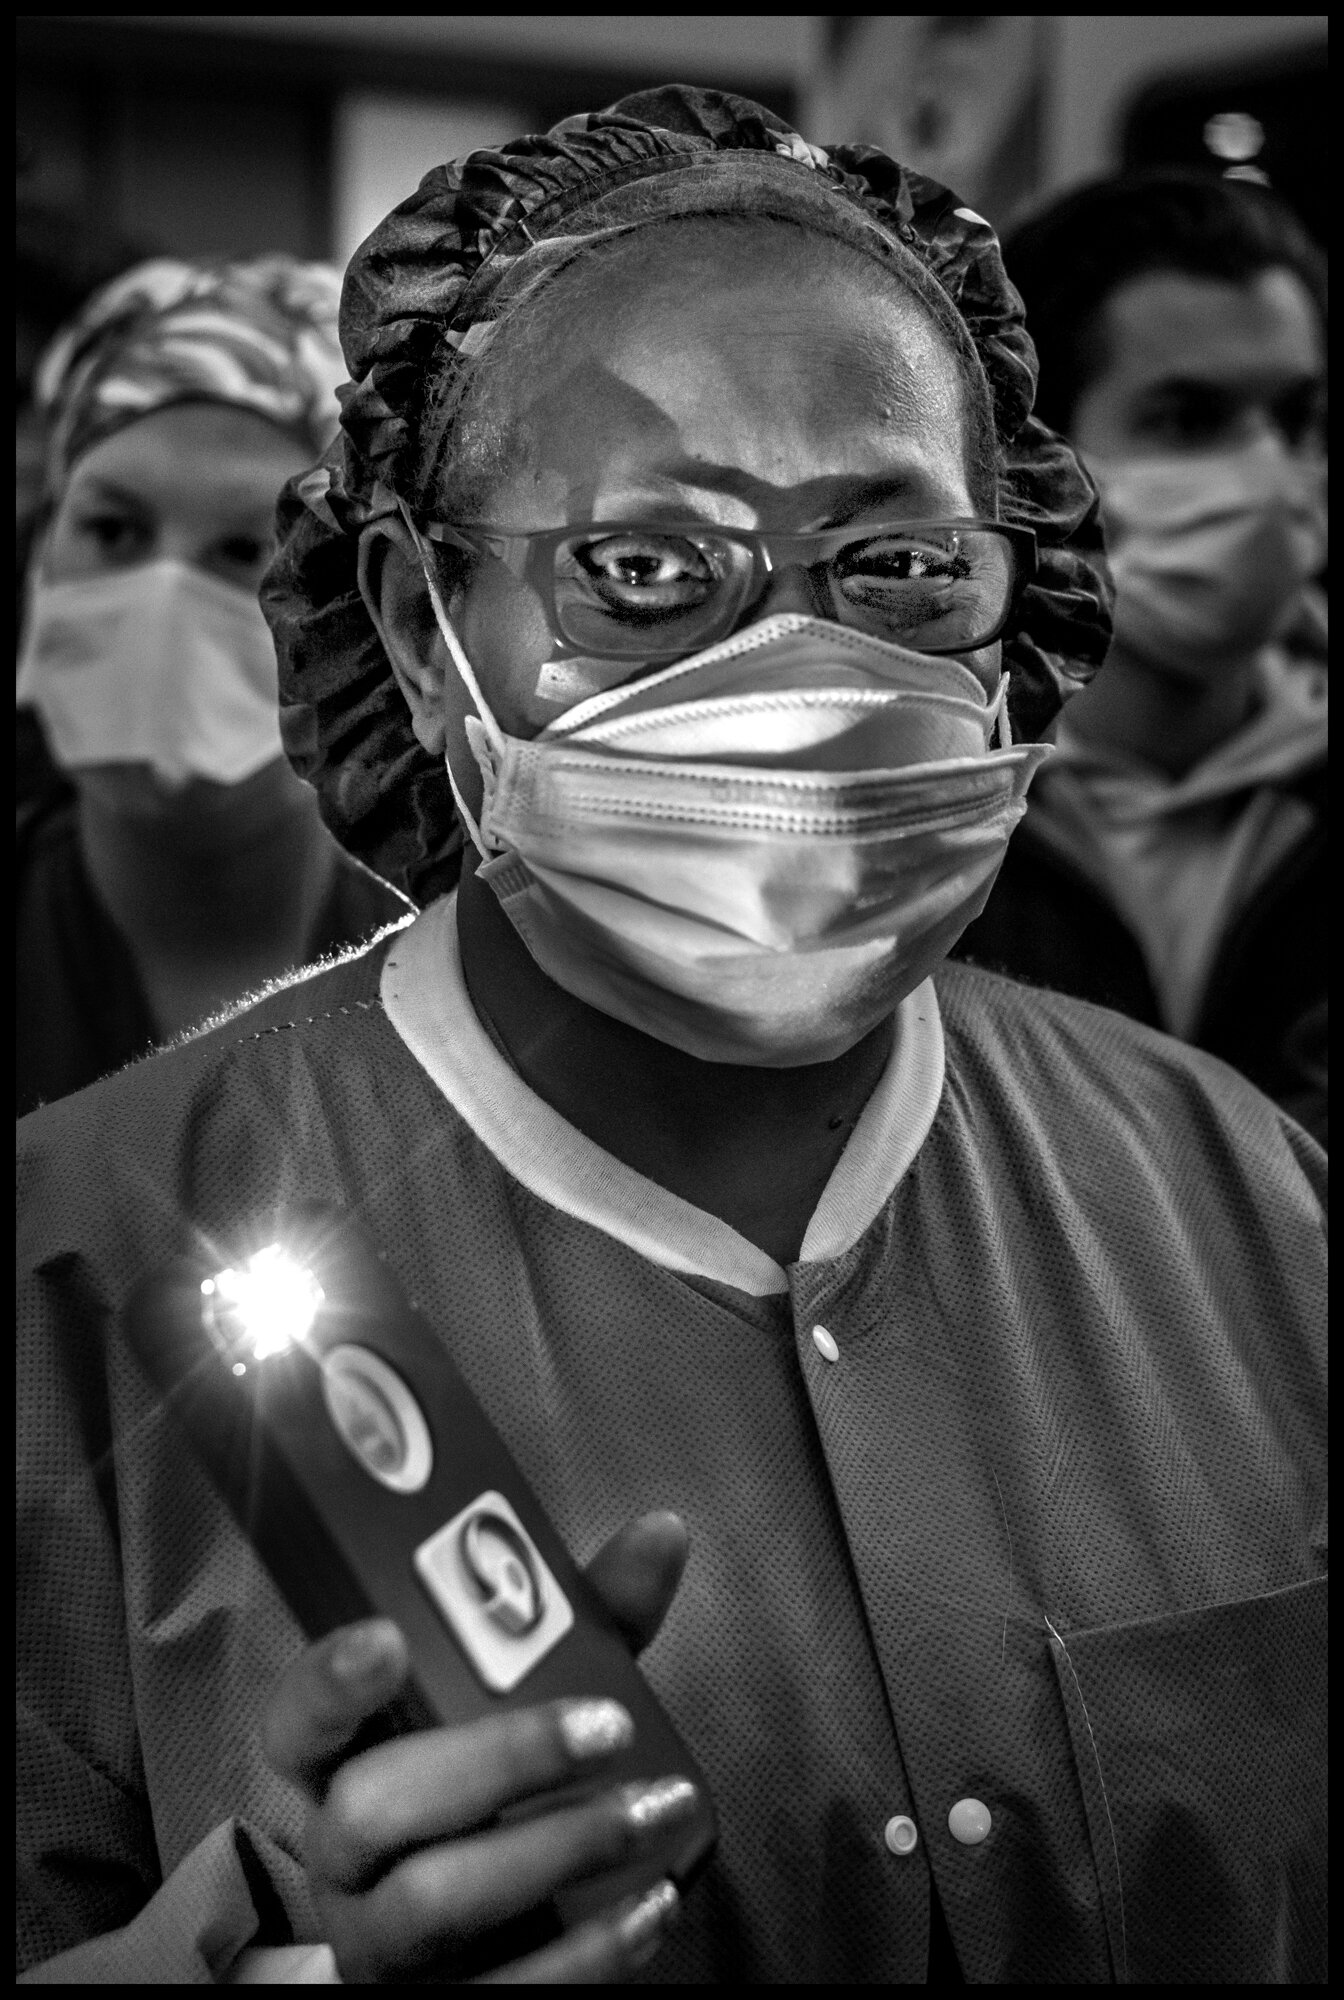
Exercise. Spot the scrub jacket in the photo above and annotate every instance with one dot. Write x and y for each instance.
(1006, 1500)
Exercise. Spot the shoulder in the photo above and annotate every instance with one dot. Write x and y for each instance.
(1101, 1093)
(342, 983)
(128, 1154)
(1038, 1043)
(1040, 1033)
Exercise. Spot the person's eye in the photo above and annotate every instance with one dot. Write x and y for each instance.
(889, 566)
(645, 574)
(1191, 420)
(246, 551)
(1193, 427)
(1301, 417)
(117, 538)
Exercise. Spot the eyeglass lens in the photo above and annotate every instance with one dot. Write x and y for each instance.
(637, 590)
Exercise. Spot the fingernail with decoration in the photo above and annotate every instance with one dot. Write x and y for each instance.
(643, 1927)
(649, 1806)
(595, 1729)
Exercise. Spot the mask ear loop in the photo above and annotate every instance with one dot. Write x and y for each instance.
(1003, 727)
(487, 723)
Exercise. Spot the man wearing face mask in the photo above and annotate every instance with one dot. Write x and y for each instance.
(182, 865)
(1172, 861)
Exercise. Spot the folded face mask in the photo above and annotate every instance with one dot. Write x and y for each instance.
(159, 665)
(756, 853)
(1210, 552)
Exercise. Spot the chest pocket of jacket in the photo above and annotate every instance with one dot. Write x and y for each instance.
(1200, 1745)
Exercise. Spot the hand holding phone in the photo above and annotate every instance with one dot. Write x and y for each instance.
(352, 1452)
(412, 1871)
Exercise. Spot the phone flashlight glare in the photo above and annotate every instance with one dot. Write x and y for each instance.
(264, 1306)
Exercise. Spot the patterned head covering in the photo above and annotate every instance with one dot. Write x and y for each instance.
(257, 336)
(421, 303)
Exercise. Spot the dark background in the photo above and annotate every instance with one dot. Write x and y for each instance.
(206, 144)
(1287, 93)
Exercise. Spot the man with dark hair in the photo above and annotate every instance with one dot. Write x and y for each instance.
(1172, 860)
(1070, 260)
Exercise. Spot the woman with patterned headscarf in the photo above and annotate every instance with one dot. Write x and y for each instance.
(180, 864)
(690, 547)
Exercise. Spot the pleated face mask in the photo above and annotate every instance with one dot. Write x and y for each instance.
(756, 853)
(1210, 551)
(160, 665)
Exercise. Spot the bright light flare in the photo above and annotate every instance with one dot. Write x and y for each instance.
(1234, 135)
(266, 1305)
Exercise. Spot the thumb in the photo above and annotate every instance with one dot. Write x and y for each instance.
(637, 1572)
(327, 1695)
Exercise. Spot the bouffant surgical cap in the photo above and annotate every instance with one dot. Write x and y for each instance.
(422, 300)
(258, 335)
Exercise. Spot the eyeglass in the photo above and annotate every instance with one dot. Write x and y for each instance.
(650, 591)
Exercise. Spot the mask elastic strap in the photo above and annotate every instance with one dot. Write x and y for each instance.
(467, 816)
(1003, 727)
(466, 674)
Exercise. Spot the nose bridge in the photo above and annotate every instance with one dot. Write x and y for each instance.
(1261, 425)
(1262, 428)
(794, 586)
(180, 541)
(1290, 451)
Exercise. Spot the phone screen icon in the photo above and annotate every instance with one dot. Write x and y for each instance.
(489, 1581)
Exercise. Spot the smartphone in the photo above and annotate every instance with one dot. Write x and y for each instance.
(369, 1480)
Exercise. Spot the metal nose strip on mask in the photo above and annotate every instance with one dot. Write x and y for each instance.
(842, 728)
(809, 648)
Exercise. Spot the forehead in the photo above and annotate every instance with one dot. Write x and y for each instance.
(749, 384)
(1172, 323)
(192, 456)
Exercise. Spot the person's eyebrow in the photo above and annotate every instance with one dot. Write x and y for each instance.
(243, 509)
(1301, 381)
(857, 497)
(96, 487)
(837, 497)
(1187, 387)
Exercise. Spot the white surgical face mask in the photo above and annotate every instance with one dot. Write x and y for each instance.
(160, 665)
(1210, 552)
(756, 853)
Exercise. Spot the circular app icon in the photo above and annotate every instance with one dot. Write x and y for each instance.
(377, 1417)
(500, 1564)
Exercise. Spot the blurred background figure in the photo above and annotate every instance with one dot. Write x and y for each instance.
(964, 95)
(1172, 861)
(60, 259)
(182, 864)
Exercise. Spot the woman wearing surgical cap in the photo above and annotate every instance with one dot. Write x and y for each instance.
(183, 864)
(934, 1364)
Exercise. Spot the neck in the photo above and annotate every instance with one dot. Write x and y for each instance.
(753, 1146)
(212, 903)
(1152, 716)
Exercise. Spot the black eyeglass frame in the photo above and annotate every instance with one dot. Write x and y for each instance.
(530, 556)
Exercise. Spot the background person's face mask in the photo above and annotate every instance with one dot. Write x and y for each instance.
(755, 854)
(1210, 552)
(159, 665)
